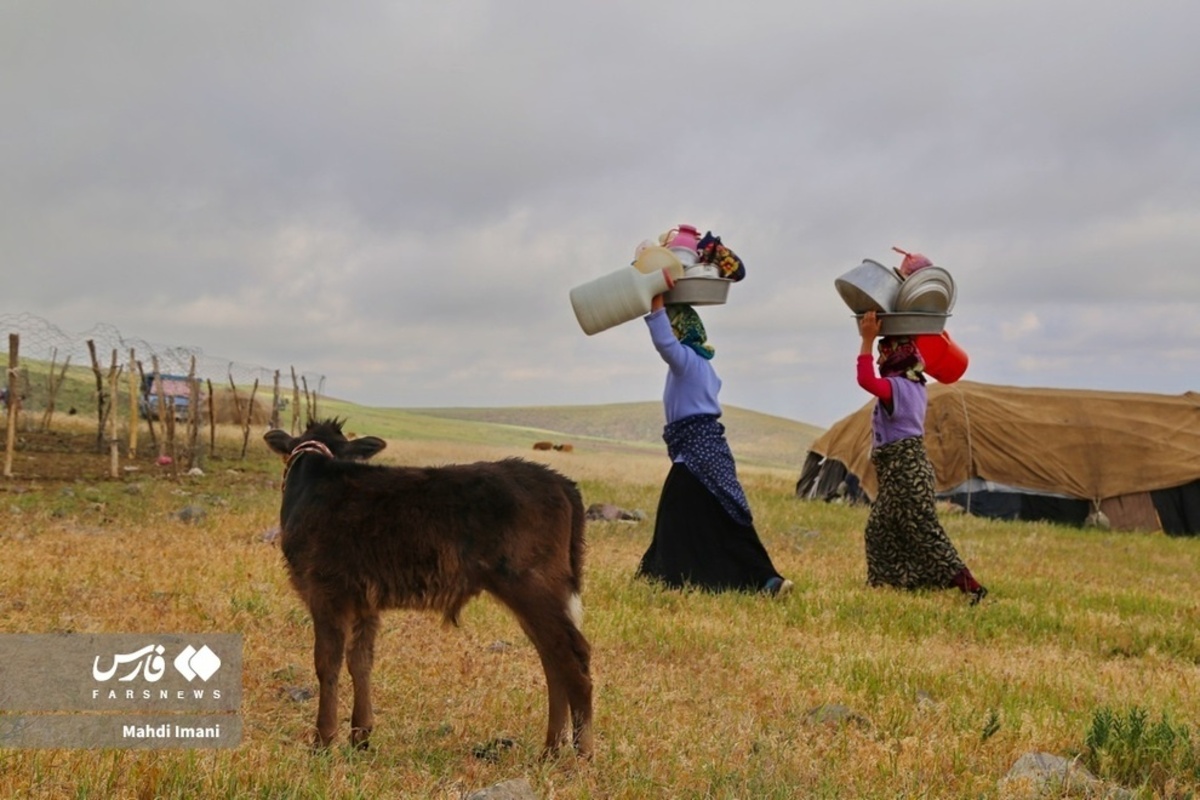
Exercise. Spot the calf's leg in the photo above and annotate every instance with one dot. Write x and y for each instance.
(328, 650)
(579, 689)
(359, 660)
(545, 617)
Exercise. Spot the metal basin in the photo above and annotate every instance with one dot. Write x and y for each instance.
(869, 287)
(909, 323)
(698, 291)
(929, 290)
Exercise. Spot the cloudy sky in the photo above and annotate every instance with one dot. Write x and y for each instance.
(400, 196)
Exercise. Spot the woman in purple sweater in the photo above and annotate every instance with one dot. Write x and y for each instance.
(704, 533)
(906, 545)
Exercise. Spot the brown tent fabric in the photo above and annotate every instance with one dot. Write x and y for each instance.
(1093, 445)
(1131, 512)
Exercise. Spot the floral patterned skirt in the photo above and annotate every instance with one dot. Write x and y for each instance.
(906, 545)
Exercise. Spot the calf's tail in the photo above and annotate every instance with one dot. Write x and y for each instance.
(577, 546)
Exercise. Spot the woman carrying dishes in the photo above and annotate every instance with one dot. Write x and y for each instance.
(905, 543)
(704, 533)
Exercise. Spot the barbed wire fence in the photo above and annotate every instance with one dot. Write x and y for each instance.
(137, 384)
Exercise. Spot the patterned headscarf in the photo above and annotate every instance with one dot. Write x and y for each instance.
(899, 357)
(688, 329)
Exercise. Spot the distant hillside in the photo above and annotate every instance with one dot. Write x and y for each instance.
(754, 437)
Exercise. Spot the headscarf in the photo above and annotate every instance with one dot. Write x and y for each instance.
(899, 357)
(688, 329)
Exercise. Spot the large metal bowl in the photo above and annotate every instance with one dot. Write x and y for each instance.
(930, 290)
(909, 323)
(698, 291)
(869, 287)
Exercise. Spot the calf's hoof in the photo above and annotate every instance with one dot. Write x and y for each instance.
(360, 738)
(319, 742)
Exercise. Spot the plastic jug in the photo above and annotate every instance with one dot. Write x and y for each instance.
(617, 297)
(656, 259)
(944, 360)
(683, 241)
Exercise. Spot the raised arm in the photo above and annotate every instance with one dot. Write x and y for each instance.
(868, 328)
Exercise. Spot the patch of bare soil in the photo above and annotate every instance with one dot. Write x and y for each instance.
(67, 457)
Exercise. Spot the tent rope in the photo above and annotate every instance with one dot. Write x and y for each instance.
(962, 398)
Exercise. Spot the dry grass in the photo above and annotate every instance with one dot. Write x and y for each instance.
(696, 695)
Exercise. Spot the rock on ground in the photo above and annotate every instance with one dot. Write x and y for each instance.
(517, 789)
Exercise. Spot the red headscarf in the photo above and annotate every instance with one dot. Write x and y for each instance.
(899, 357)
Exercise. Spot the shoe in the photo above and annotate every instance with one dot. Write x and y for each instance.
(978, 595)
(778, 587)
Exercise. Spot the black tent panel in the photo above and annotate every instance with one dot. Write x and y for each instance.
(1179, 509)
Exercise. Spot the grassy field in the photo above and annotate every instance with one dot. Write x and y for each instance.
(697, 695)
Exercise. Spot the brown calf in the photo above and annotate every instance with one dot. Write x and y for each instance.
(360, 539)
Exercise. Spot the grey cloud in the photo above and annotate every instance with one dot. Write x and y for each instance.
(401, 195)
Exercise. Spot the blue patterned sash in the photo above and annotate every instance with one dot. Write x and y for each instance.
(699, 442)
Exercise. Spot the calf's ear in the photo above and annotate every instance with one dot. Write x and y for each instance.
(363, 448)
(279, 441)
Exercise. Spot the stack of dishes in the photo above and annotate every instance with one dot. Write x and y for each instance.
(928, 290)
(905, 306)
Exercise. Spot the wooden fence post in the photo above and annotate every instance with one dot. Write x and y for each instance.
(295, 403)
(101, 400)
(52, 387)
(275, 403)
(193, 419)
(114, 450)
(212, 419)
(246, 418)
(149, 416)
(133, 405)
(13, 403)
(166, 419)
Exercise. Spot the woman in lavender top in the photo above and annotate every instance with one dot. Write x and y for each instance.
(906, 545)
(704, 533)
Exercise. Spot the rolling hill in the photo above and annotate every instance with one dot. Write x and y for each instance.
(753, 436)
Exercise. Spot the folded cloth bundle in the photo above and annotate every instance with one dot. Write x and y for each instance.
(711, 251)
(912, 262)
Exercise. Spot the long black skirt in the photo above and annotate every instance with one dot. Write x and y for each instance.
(696, 543)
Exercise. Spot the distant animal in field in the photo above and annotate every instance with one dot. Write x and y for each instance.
(543, 445)
(564, 447)
(360, 538)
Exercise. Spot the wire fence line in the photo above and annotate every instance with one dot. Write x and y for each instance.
(43, 341)
(155, 384)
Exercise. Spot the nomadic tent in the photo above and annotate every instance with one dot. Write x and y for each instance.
(1028, 453)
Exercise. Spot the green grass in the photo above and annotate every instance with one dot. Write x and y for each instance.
(697, 695)
(1131, 748)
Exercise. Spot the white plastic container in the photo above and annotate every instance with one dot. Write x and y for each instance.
(655, 259)
(616, 297)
